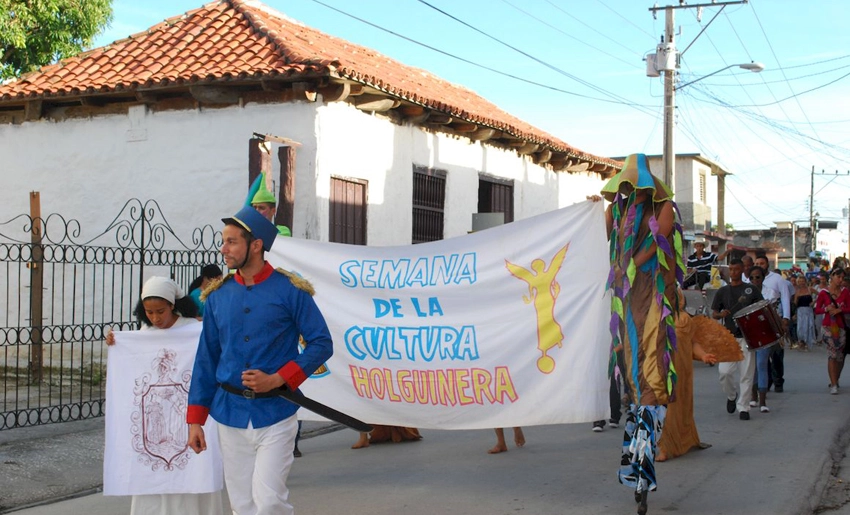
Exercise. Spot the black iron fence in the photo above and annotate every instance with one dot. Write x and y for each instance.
(62, 294)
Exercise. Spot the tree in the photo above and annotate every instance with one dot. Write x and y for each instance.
(729, 227)
(38, 32)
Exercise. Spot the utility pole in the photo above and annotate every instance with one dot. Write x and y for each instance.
(793, 243)
(669, 100)
(721, 205)
(812, 234)
(813, 215)
(667, 60)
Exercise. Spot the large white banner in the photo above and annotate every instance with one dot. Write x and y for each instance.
(146, 445)
(504, 327)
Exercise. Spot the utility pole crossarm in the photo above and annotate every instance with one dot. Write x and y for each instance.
(693, 6)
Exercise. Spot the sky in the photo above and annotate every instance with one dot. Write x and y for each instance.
(770, 130)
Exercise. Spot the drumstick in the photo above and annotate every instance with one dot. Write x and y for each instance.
(741, 299)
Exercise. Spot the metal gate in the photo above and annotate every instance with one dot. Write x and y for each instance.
(61, 295)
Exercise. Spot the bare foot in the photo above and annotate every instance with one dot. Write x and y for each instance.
(498, 448)
(519, 438)
(363, 442)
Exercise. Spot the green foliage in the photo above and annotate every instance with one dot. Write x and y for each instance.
(34, 33)
(729, 227)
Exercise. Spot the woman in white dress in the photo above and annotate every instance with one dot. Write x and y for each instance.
(163, 306)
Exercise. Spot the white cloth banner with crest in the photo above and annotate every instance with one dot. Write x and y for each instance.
(504, 327)
(146, 449)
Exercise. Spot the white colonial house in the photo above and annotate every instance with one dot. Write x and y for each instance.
(363, 149)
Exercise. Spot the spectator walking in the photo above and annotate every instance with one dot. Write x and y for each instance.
(833, 303)
(804, 300)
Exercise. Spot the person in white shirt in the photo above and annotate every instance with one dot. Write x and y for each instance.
(748, 265)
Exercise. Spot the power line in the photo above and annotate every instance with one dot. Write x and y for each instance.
(776, 58)
(472, 63)
(768, 122)
(630, 22)
(593, 29)
(795, 95)
(573, 37)
(598, 89)
(747, 84)
(720, 54)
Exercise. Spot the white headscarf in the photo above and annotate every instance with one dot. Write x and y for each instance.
(163, 288)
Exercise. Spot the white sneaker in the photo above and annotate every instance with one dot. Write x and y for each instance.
(764, 409)
(753, 404)
(833, 389)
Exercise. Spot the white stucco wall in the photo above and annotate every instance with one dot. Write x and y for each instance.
(194, 163)
(359, 145)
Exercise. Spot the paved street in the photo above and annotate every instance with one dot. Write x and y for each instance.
(776, 463)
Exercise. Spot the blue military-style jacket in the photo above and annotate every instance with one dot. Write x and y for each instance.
(255, 327)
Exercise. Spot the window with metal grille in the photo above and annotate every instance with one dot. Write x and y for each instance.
(496, 195)
(429, 202)
(348, 211)
(702, 187)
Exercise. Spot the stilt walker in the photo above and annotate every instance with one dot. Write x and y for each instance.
(645, 238)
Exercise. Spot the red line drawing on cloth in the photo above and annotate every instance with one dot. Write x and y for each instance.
(160, 434)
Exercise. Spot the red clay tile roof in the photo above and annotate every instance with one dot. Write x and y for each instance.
(244, 40)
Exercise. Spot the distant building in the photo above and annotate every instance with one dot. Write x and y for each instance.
(695, 191)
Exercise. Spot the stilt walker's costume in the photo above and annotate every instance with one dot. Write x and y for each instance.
(644, 307)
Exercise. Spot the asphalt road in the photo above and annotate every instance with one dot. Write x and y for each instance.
(790, 461)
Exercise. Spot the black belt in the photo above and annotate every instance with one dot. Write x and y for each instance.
(249, 394)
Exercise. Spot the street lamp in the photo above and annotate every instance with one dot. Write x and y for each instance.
(753, 67)
(670, 89)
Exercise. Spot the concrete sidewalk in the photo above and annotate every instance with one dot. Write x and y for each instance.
(59, 468)
(789, 461)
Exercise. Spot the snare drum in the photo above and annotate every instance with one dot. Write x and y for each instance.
(760, 325)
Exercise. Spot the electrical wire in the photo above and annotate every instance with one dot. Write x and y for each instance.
(596, 31)
(747, 84)
(630, 22)
(478, 65)
(581, 81)
(772, 124)
(776, 58)
(796, 95)
(720, 54)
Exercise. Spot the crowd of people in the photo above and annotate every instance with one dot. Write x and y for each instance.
(814, 310)
(654, 343)
(647, 271)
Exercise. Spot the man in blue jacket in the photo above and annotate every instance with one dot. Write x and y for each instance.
(248, 349)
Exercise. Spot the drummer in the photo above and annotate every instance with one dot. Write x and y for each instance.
(736, 378)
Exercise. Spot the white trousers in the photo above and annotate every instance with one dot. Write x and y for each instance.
(256, 465)
(736, 377)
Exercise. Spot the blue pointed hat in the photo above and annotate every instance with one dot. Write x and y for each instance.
(252, 221)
